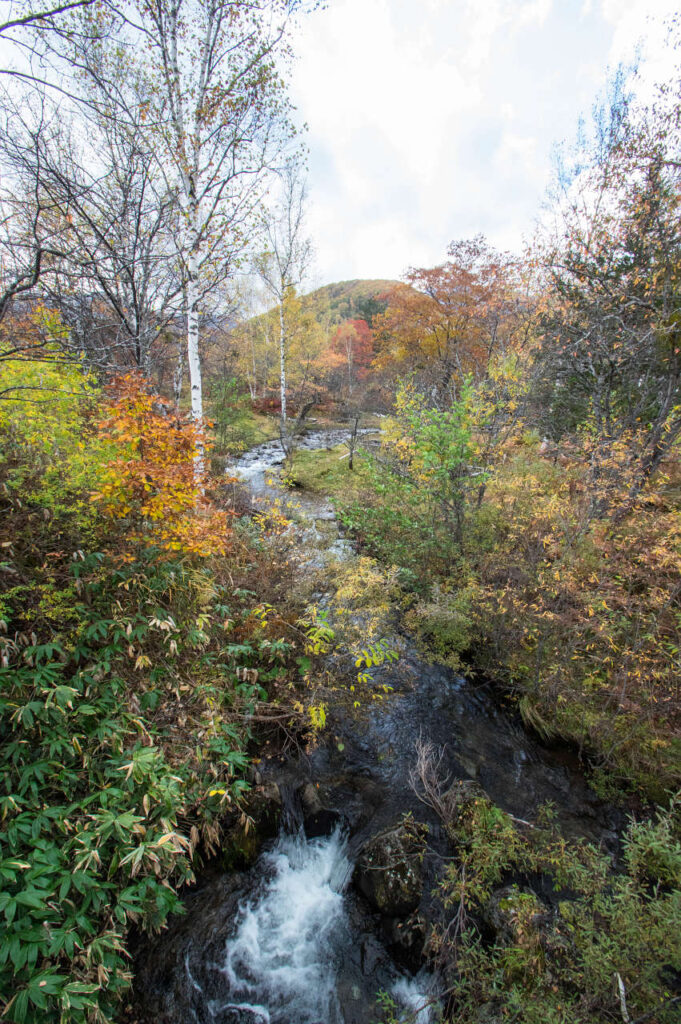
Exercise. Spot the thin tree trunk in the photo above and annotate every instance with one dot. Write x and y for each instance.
(282, 361)
(253, 388)
(193, 359)
(178, 377)
(353, 442)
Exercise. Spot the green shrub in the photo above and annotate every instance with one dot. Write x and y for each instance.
(562, 963)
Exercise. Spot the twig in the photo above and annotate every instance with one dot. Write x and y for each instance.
(623, 999)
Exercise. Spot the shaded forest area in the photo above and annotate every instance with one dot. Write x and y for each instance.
(525, 486)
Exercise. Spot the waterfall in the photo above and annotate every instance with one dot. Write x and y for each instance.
(291, 938)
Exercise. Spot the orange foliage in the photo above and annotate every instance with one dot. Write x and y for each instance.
(152, 482)
(350, 351)
(453, 318)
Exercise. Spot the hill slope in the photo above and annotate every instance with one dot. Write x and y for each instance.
(347, 300)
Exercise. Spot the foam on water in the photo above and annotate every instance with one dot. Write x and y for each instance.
(413, 995)
(279, 963)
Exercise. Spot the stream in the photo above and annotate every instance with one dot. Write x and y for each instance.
(294, 940)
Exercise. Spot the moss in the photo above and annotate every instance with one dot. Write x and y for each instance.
(326, 471)
(241, 849)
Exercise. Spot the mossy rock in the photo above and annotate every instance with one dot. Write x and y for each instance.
(389, 871)
(461, 796)
(259, 822)
(515, 916)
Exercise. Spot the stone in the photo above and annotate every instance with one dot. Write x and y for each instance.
(407, 938)
(516, 916)
(469, 765)
(309, 798)
(389, 870)
(373, 955)
(459, 795)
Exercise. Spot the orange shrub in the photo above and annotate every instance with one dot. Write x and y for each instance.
(154, 479)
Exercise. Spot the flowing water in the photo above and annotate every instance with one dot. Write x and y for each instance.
(291, 941)
(287, 938)
(290, 956)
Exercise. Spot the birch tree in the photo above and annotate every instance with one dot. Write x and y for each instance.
(286, 260)
(100, 192)
(218, 109)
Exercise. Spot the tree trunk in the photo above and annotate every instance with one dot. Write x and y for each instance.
(353, 442)
(253, 387)
(282, 361)
(193, 359)
(178, 377)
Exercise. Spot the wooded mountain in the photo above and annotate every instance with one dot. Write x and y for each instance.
(347, 300)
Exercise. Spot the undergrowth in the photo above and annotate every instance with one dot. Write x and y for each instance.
(539, 929)
(131, 665)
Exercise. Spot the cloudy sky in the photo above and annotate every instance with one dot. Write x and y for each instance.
(431, 120)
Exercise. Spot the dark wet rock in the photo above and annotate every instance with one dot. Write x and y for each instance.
(259, 822)
(389, 870)
(323, 823)
(373, 955)
(517, 917)
(406, 939)
(354, 795)
(469, 765)
(189, 943)
(309, 798)
(264, 804)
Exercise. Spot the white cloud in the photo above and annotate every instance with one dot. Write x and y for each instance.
(436, 120)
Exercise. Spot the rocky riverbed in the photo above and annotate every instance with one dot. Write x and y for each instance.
(337, 906)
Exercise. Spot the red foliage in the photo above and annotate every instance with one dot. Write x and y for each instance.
(352, 348)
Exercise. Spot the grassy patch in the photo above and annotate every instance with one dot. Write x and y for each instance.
(245, 430)
(326, 471)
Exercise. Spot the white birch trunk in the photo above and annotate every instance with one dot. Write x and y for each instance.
(193, 359)
(282, 361)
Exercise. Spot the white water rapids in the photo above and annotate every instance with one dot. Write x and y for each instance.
(281, 963)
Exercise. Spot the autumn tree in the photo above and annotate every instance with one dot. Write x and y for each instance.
(253, 338)
(447, 322)
(211, 110)
(150, 484)
(115, 278)
(353, 344)
(287, 255)
(612, 348)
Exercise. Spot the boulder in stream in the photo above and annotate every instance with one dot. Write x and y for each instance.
(457, 799)
(389, 870)
(515, 916)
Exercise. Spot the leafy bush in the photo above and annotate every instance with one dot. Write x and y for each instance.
(443, 624)
(561, 962)
(129, 667)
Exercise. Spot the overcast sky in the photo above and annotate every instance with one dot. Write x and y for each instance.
(431, 120)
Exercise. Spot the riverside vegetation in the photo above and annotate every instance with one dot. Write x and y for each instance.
(132, 654)
(521, 504)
